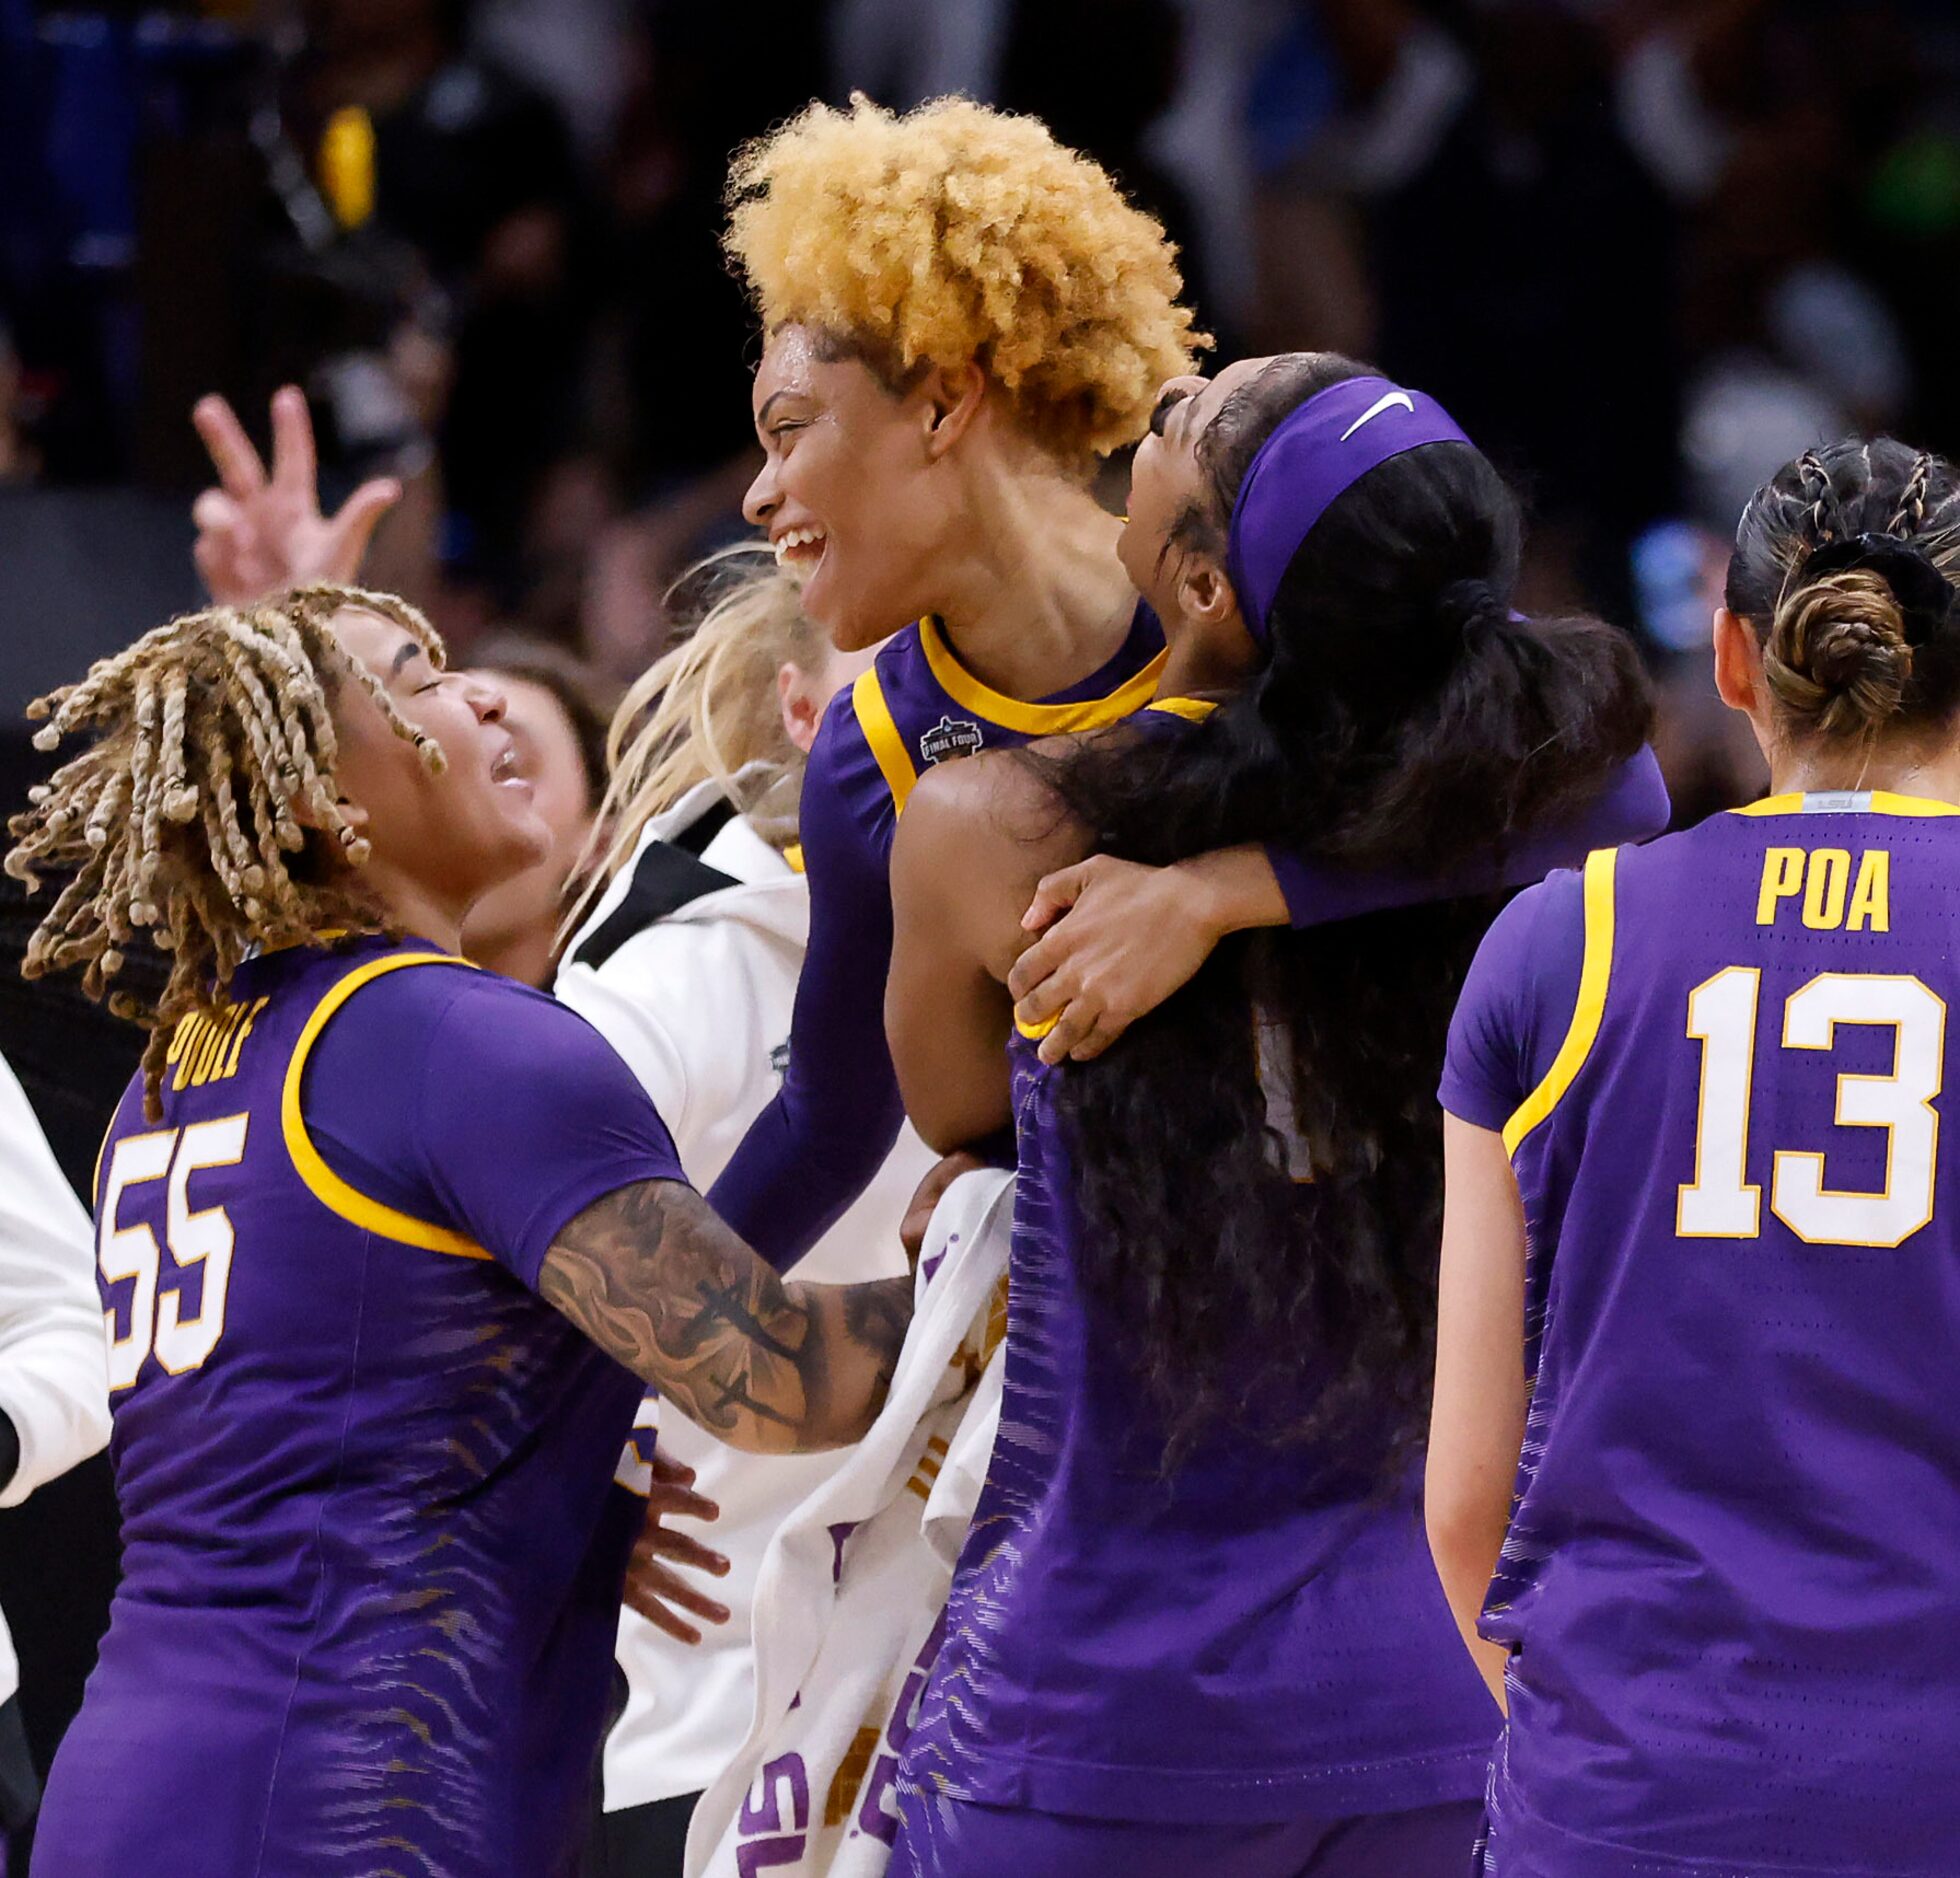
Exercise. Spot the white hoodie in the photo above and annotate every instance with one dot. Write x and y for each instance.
(696, 998)
(54, 1374)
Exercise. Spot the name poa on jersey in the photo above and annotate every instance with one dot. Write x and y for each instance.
(950, 737)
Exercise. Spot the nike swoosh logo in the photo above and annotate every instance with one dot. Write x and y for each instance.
(1380, 405)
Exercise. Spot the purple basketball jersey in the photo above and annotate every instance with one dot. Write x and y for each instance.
(1258, 1637)
(1732, 1581)
(918, 706)
(372, 1542)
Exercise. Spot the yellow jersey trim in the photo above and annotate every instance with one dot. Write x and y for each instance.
(1035, 1032)
(1594, 973)
(349, 1203)
(1874, 802)
(1195, 710)
(1033, 720)
(793, 857)
(874, 718)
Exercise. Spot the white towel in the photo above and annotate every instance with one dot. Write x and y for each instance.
(852, 1590)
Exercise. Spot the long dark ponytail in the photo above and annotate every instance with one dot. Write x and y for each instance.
(1404, 721)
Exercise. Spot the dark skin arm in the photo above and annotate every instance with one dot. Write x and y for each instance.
(974, 841)
(657, 1281)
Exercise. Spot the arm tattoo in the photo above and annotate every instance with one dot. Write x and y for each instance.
(653, 1276)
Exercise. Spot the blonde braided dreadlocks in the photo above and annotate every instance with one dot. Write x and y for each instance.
(213, 745)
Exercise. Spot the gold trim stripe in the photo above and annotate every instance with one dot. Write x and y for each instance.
(349, 1203)
(1194, 709)
(874, 718)
(1877, 802)
(1590, 1006)
(1033, 720)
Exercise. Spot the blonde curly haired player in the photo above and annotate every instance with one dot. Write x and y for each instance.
(960, 316)
(957, 235)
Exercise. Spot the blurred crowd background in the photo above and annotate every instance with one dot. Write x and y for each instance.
(1645, 250)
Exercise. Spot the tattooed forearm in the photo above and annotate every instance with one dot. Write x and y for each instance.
(654, 1278)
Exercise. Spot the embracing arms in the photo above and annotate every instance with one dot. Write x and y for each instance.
(658, 1282)
(1088, 973)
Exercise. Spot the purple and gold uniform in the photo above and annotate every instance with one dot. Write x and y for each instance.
(815, 1148)
(373, 1544)
(1255, 1644)
(1729, 1590)
(817, 1145)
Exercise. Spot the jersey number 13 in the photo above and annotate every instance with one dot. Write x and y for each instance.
(1720, 1203)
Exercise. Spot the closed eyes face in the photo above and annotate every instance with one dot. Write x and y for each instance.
(468, 827)
(1167, 478)
(548, 756)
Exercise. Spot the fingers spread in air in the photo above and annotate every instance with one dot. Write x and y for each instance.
(295, 465)
(216, 513)
(353, 526)
(237, 463)
(214, 561)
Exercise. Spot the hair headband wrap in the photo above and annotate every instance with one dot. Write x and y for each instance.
(1318, 450)
(1924, 594)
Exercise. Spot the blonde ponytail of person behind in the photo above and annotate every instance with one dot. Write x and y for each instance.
(708, 711)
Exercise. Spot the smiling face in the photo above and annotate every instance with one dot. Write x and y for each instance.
(852, 492)
(454, 836)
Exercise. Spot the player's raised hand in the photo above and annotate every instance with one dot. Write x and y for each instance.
(653, 1587)
(257, 532)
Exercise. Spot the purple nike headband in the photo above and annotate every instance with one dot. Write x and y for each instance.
(1319, 449)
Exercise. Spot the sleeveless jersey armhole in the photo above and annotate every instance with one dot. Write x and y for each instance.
(1588, 1008)
(880, 732)
(339, 1196)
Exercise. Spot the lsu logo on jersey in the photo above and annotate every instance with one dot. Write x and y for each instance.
(951, 736)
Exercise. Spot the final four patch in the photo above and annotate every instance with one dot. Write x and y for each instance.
(950, 737)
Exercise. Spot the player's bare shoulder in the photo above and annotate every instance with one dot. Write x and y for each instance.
(996, 809)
